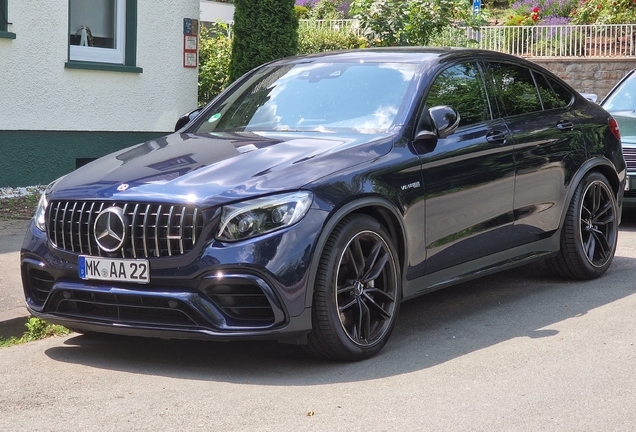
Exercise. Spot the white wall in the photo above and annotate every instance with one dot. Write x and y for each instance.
(38, 93)
(213, 11)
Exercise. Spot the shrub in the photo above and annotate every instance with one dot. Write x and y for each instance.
(215, 52)
(523, 20)
(341, 7)
(605, 12)
(302, 12)
(264, 30)
(406, 22)
(548, 8)
(314, 38)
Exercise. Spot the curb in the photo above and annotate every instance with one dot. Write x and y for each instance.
(12, 322)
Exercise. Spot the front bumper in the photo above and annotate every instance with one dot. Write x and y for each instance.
(629, 196)
(255, 289)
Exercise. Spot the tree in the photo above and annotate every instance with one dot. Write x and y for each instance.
(406, 22)
(264, 30)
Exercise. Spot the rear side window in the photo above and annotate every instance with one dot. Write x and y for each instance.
(563, 94)
(549, 96)
(515, 88)
(462, 88)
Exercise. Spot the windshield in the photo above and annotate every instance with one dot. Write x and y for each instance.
(624, 98)
(323, 97)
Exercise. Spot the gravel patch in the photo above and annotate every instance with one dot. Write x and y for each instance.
(14, 192)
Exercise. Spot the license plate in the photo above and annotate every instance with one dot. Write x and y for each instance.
(114, 269)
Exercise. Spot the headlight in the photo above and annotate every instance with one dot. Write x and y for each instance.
(262, 215)
(40, 212)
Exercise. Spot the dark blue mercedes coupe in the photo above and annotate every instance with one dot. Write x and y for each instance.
(314, 195)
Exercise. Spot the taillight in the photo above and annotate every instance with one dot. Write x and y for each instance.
(613, 126)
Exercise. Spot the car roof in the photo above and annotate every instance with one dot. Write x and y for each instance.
(399, 55)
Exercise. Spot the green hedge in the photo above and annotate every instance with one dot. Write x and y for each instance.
(264, 30)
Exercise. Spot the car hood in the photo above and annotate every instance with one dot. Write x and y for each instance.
(206, 169)
(626, 124)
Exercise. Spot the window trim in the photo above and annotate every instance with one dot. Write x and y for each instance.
(4, 21)
(128, 61)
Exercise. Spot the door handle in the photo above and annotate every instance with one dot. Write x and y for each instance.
(565, 125)
(496, 137)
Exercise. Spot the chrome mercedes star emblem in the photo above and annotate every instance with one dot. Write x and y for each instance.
(110, 229)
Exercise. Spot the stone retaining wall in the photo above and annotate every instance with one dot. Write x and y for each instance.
(589, 75)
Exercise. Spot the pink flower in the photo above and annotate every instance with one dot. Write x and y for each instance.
(535, 10)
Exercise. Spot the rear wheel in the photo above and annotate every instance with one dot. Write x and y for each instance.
(357, 291)
(590, 231)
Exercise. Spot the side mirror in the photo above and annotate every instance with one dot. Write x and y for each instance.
(444, 119)
(186, 118)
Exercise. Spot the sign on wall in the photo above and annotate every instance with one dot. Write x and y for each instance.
(190, 42)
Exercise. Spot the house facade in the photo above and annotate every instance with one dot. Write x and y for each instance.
(212, 11)
(83, 78)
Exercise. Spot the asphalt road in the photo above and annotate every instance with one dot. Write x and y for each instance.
(518, 351)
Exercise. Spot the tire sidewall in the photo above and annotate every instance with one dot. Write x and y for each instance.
(591, 270)
(342, 236)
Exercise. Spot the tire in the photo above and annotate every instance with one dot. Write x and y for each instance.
(590, 231)
(357, 291)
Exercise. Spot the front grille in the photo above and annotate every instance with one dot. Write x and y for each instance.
(630, 158)
(153, 231)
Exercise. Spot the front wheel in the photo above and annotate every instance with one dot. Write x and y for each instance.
(590, 232)
(357, 291)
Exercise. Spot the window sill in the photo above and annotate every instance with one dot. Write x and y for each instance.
(73, 64)
(7, 35)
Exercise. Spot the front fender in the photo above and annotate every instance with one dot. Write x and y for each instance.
(375, 206)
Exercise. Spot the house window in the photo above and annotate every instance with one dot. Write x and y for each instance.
(4, 20)
(102, 32)
(3, 15)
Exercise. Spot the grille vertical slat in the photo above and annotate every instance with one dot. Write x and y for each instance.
(133, 230)
(154, 230)
(63, 226)
(181, 231)
(70, 224)
(145, 230)
(123, 250)
(80, 228)
(54, 218)
(195, 228)
(157, 226)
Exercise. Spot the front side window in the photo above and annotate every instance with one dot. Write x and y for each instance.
(97, 30)
(462, 88)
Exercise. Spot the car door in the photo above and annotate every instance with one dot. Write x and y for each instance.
(546, 138)
(468, 176)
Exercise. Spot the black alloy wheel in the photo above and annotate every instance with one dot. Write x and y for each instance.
(590, 232)
(357, 291)
(598, 223)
